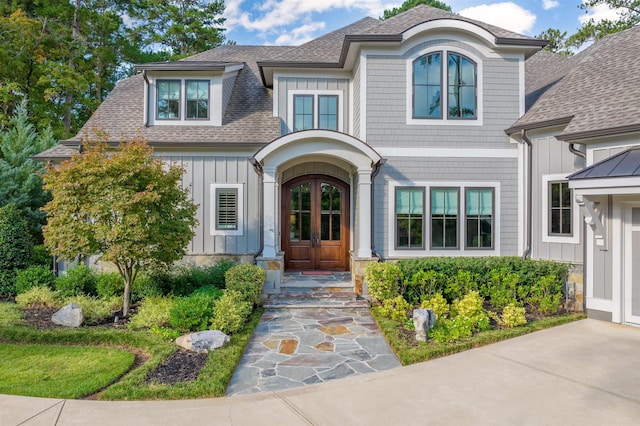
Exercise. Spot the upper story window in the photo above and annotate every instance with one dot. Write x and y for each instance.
(315, 111)
(169, 97)
(168, 107)
(444, 88)
(197, 99)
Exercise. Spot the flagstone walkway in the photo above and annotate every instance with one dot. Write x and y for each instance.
(298, 347)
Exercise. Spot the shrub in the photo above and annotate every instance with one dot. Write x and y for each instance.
(439, 306)
(165, 332)
(78, 280)
(39, 297)
(395, 308)
(41, 256)
(192, 313)
(470, 307)
(451, 329)
(546, 294)
(244, 273)
(16, 247)
(230, 312)
(216, 273)
(460, 284)
(512, 316)
(383, 280)
(423, 285)
(94, 309)
(250, 290)
(34, 276)
(109, 284)
(144, 286)
(152, 311)
(502, 288)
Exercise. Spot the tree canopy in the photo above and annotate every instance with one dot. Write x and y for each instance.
(125, 206)
(410, 4)
(592, 30)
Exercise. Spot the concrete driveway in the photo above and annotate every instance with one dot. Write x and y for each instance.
(585, 373)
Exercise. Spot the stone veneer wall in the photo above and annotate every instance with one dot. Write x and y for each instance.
(575, 289)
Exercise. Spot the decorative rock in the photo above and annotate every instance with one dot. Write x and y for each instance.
(203, 341)
(69, 316)
(423, 321)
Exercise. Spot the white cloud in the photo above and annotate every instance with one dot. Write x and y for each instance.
(550, 4)
(299, 35)
(506, 15)
(599, 13)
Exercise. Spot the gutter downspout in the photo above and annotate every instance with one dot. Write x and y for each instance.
(376, 170)
(258, 169)
(146, 111)
(529, 231)
(576, 151)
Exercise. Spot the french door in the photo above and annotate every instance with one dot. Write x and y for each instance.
(315, 223)
(632, 264)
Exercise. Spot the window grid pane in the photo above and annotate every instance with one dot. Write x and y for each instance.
(197, 99)
(444, 218)
(560, 209)
(479, 218)
(328, 112)
(409, 217)
(227, 208)
(303, 112)
(461, 83)
(168, 101)
(427, 81)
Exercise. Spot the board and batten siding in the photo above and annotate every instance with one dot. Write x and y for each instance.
(387, 93)
(312, 84)
(200, 172)
(552, 157)
(448, 172)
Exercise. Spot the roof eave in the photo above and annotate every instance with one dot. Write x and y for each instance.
(605, 132)
(539, 125)
(189, 66)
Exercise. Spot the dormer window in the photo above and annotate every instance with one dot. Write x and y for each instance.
(168, 100)
(197, 99)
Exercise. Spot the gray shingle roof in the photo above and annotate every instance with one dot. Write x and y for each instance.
(598, 87)
(56, 153)
(248, 118)
(624, 164)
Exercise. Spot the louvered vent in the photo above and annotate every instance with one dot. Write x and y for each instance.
(227, 202)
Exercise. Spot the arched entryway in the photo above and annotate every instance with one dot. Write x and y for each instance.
(315, 223)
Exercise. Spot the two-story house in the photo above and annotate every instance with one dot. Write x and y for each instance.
(381, 140)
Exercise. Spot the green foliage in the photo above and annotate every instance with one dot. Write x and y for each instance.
(409, 4)
(144, 286)
(77, 280)
(10, 314)
(109, 284)
(512, 316)
(424, 285)
(438, 305)
(460, 284)
(395, 308)
(39, 297)
(41, 256)
(184, 280)
(165, 333)
(16, 247)
(467, 316)
(502, 289)
(546, 294)
(20, 174)
(152, 311)
(629, 16)
(94, 309)
(193, 313)
(250, 290)
(230, 312)
(139, 213)
(34, 276)
(383, 280)
(558, 42)
(244, 273)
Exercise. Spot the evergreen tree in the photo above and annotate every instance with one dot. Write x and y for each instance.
(593, 31)
(410, 4)
(16, 247)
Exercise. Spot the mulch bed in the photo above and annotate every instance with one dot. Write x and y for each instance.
(182, 366)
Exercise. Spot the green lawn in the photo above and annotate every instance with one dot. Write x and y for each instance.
(60, 371)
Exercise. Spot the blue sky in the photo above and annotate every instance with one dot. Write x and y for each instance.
(293, 22)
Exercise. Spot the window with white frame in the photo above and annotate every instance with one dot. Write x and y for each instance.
(178, 98)
(227, 208)
(315, 110)
(197, 99)
(444, 218)
(479, 218)
(409, 213)
(558, 211)
(168, 100)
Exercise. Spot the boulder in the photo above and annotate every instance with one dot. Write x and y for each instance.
(69, 316)
(423, 321)
(203, 341)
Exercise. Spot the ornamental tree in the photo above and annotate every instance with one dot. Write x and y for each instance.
(125, 206)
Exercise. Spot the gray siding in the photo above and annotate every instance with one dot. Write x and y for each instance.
(386, 105)
(227, 89)
(448, 171)
(602, 280)
(200, 173)
(356, 100)
(285, 84)
(552, 157)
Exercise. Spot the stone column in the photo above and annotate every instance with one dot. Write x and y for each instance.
(363, 249)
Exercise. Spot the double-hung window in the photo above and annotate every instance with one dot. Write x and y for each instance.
(458, 81)
(197, 99)
(479, 216)
(168, 100)
(409, 218)
(312, 111)
(560, 209)
(444, 218)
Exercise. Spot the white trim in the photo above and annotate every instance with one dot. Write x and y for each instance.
(445, 48)
(448, 152)
(627, 228)
(315, 94)
(363, 96)
(600, 304)
(619, 185)
(461, 251)
(522, 190)
(521, 84)
(276, 95)
(350, 106)
(487, 38)
(616, 244)
(544, 213)
(214, 209)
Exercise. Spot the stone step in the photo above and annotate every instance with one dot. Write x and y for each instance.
(313, 295)
(306, 303)
(304, 289)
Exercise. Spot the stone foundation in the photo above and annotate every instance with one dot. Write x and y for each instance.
(575, 289)
(274, 268)
(358, 266)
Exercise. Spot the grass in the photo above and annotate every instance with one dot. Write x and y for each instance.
(10, 314)
(60, 371)
(212, 381)
(408, 353)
